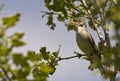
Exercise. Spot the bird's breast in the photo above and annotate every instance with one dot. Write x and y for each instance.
(83, 42)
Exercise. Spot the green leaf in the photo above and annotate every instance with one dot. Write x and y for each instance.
(39, 76)
(11, 20)
(44, 53)
(50, 22)
(17, 43)
(115, 12)
(70, 27)
(2, 30)
(46, 56)
(1, 74)
(60, 18)
(32, 56)
(3, 50)
(18, 35)
(46, 68)
(47, 1)
(55, 54)
(21, 74)
(43, 50)
(91, 25)
(19, 59)
(93, 66)
(117, 63)
(53, 26)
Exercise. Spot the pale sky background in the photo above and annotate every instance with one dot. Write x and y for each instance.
(37, 34)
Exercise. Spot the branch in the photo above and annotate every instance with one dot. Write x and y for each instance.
(107, 38)
(95, 22)
(6, 74)
(102, 17)
(71, 5)
(88, 12)
(77, 55)
(59, 49)
(48, 13)
(102, 41)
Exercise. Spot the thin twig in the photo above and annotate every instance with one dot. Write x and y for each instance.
(88, 12)
(6, 74)
(59, 49)
(48, 13)
(79, 55)
(66, 58)
(71, 5)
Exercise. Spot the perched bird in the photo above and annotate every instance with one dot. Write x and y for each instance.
(83, 38)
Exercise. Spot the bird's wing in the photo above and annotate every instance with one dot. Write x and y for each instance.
(90, 38)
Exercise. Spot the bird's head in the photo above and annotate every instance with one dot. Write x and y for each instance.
(77, 23)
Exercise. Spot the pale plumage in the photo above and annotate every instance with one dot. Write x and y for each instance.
(83, 38)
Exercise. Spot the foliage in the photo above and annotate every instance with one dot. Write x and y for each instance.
(99, 13)
(18, 66)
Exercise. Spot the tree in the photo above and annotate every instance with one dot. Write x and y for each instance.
(18, 66)
(99, 13)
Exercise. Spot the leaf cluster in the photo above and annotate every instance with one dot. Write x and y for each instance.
(44, 63)
(16, 66)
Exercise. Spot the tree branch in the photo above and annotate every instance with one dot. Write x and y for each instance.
(107, 39)
(99, 33)
(67, 58)
(77, 55)
(102, 17)
(6, 74)
(95, 22)
(48, 13)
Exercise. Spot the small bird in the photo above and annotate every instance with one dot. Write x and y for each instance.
(83, 38)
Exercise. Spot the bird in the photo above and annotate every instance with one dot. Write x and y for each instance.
(83, 38)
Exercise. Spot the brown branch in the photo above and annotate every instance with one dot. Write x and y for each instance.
(6, 74)
(95, 22)
(107, 38)
(102, 17)
(88, 12)
(102, 41)
(78, 55)
(67, 58)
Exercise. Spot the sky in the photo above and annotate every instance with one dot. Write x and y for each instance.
(37, 35)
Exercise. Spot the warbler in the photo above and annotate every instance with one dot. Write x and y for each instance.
(83, 38)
